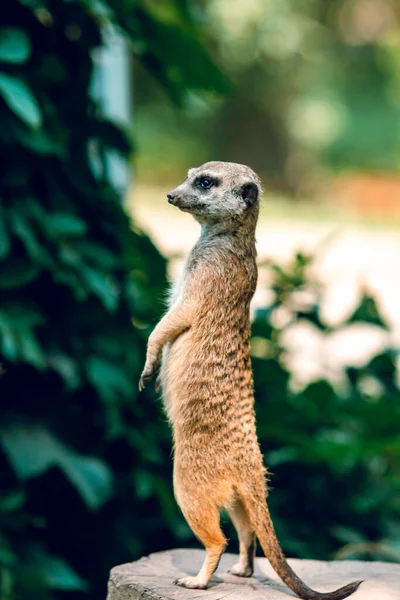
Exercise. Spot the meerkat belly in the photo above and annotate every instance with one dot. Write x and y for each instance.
(173, 365)
(208, 397)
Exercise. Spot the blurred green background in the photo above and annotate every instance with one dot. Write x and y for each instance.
(307, 92)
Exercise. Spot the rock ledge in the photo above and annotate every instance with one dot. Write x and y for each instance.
(151, 578)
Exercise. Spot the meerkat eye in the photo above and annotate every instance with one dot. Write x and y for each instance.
(205, 182)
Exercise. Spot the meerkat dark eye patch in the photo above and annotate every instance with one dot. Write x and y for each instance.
(249, 193)
(205, 182)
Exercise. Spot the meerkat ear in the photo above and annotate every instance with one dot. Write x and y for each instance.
(249, 193)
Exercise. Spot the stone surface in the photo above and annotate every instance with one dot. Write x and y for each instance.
(151, 578)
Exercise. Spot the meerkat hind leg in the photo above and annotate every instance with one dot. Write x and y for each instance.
(206, 526)
(247, 540)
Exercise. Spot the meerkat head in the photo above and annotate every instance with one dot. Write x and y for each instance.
(219, 192)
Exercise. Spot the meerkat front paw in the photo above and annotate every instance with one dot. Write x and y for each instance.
(241, 571)
(147, 375)
(192, 583)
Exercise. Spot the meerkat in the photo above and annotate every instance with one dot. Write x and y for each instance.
(206, 377)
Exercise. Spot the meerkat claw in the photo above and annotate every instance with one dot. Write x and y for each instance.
(147, 375)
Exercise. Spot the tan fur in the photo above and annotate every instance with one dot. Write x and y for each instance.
(206, 376)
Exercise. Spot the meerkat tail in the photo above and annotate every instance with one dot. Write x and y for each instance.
(262, 523)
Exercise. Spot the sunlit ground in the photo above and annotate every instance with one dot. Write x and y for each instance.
(351, 252)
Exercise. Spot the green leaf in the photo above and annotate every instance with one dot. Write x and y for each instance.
(182, 56)
(261, 326)
(21, 100)
(312, 315)
(91, 477)
(59, 575)
(9, 343)
(18, 341)
(23, 229)
(17, 272)
(97, 254)
(66, 367)
(7, 557)
(30, 350)
(65, 224)
(20, 314)
(40, 142)
(100, 9)
(367, 312)
(4, 237)
(143, 484)
(42, 570)
(383, 367)
(102, 285)
(11, 502)
(33, 4)
(32, 450)
(108, 378)
(15, 46)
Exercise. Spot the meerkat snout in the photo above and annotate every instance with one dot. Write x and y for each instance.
(171, 197)
(178, 199)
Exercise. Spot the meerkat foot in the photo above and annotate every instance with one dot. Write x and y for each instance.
(193, 583)
(241, 570)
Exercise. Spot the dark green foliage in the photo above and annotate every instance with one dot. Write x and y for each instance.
(85, 470)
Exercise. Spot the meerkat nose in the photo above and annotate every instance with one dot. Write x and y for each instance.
(171, 197)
